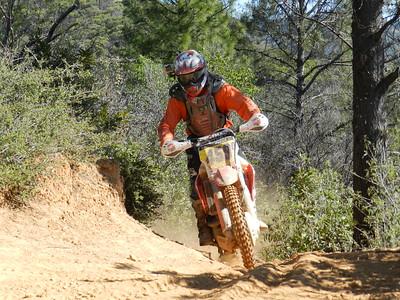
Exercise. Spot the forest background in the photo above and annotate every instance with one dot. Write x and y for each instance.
(86, 79)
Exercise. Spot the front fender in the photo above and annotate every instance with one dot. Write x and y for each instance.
(226, 176)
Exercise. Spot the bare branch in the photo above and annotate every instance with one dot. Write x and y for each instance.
(318, 7)
(267, 55)
(59, 20)
(279, 113)
(218, 12)
(283, 82)
(289, 16)
(393, 58)
(337, 128)
(321, 69)
(50, 35)
(385, 83)
(279, 45)
(337, 34)
(287, 113)
(309, 55)
(333, 61)
(390, 22)
(64, 32)
(347, 63)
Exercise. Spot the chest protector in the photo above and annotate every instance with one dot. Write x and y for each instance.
(203, 114)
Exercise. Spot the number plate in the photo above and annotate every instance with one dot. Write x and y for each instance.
(217, 156)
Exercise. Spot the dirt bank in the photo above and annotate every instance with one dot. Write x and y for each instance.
(77, 242)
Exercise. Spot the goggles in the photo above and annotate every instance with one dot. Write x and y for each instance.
(191, 78)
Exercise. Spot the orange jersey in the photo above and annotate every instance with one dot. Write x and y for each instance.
(227, 98)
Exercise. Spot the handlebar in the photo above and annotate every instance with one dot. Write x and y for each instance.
(174, 148)
(258, 122)
(220, 133)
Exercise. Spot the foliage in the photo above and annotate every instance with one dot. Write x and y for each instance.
(303, 92)
(97, 30)
(385, 207)
(142, 176)
(147, 88)
(37, 120)
(235, 70)
(324, 136)
(74, 84)
(108, 107)
(62, 30)
(177, 203)
(315, 214)
(385, 204)
(288, 41)
(147, 93)
(137, 91)
(160, 29)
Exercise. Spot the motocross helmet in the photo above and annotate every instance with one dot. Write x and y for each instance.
(191, 71)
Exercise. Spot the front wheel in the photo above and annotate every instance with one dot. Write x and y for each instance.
(240, 230)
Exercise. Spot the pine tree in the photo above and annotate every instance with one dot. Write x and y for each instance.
(160, 29)
(371, 84)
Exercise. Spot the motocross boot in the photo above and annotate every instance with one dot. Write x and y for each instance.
(205, 233)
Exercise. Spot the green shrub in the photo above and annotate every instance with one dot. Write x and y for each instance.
(235, 71)
(385, 192)
(37, 120)
(136, 93)
(316, 214)
(142, 179)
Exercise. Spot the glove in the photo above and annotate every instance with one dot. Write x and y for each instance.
(258, 122)
(172, 148)
(168, 147)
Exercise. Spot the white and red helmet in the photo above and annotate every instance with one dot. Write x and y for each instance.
(191, 71)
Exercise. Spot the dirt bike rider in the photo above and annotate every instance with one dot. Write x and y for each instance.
(203, 100)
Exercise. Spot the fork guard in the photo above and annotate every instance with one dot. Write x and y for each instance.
(226, 176)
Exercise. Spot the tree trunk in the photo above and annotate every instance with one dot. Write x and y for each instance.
(299, 118)
(369, 140)
(8, 19)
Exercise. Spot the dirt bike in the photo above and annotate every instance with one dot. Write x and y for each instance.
(226, 187)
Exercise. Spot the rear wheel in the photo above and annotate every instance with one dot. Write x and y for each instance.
(240, 231)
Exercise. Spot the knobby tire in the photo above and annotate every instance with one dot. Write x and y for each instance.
(240, 231)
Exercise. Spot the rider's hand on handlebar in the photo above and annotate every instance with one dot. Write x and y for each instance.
(258, 122)
(172, 148)
(168, 147)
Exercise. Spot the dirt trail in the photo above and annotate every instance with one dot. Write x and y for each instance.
(77, 242)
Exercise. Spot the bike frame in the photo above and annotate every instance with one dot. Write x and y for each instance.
(221, 165)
